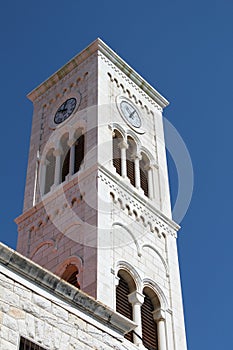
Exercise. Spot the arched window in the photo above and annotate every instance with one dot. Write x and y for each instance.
(71, 275)
(143, 165)
(116, 156)
(50, 161)
(78, 153)
(125, 286)
(130, 152)
(149, 326)
(65, 158)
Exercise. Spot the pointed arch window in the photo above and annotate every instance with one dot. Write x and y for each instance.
(117, 139)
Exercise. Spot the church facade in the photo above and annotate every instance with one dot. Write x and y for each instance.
(96, 264)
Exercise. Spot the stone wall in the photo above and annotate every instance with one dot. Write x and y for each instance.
(39, 306)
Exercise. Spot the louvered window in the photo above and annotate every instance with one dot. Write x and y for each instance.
(129, 160)
(26, 344)
(66, 166)
(143, 177)
(122, 303)
(149, 327)
(50, 171)
(117, 152)
(79, 153)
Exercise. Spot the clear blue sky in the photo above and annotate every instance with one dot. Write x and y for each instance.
(185, 50)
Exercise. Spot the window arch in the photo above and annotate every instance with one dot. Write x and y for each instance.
(130, 153)
(125, 286)
(50, 161)
(116, 156)
(70, 275)
(149, 326)
(143, 166)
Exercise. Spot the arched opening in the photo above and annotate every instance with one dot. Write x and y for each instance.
(65, 158)
(143, 165)
(70, 275)
(78, 153)
(149, 326)
(125, 286)
(116, 156)
(50, 161)
(130, 153)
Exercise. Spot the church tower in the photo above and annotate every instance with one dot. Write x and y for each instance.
(97, 207)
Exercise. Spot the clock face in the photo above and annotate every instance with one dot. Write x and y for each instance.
(65, 110)
(131, 114)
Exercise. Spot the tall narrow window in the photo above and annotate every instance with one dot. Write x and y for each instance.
(26, 344)
(144, 174)
(71, 275)
(79, 153)
(66, 166)
(130, 152)
(49, 170)
(149, 327)
(116, 156)
(65, 163)
(123, 305)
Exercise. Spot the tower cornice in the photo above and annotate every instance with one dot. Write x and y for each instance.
(98, 46)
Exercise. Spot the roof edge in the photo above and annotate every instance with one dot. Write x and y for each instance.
(98, 45)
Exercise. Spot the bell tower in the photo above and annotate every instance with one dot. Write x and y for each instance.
(97, 204)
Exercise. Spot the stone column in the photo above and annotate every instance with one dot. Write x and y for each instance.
(71, 144)
(137, 299)
(123, 147)
(57, 178)
(159, 317)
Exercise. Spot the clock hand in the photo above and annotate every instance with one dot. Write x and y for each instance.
(131, 114)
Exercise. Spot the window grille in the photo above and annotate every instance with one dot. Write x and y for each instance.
(79, 153)
(122, 303)
(149, 327)
(26, 344)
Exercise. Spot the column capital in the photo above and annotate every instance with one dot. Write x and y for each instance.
(159, 315)
(57, 152)
(136, 156)
(71, 142)
(136, 298)
(123, 144)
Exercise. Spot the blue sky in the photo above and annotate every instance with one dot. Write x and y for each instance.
(184, 49)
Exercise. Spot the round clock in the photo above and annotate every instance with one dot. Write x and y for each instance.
(130, 113)
(65, 110)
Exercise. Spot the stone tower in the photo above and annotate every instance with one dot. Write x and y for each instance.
(97, 205)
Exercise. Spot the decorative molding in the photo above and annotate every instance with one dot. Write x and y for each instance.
(131, 234)
(146, 245)
(124, 195)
